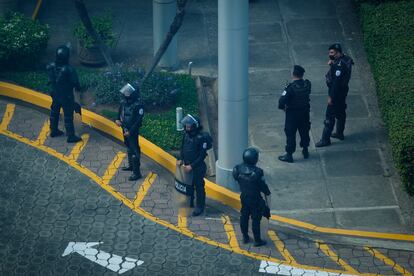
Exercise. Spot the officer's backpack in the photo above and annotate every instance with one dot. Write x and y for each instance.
(207, 140)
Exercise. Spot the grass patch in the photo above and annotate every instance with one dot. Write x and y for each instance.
(388, 29)
(159, 124)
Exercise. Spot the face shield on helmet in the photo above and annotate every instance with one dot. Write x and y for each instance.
(190, 123)
(251, 156)
(128, 91)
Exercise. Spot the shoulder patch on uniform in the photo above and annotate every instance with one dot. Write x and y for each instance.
(284, 93)
(141, 111)
(204, 145)
(338, 73)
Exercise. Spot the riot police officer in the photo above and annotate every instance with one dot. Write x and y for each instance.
(193, 152)
(130, 116)
(295, 102)
(64, 79)
(337, 80)
(252, 183)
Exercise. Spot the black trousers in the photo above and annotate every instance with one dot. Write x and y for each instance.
(251, 208)
(297, 120)
(198, 182)
(133, 151)
(68, 116)
(335, 113)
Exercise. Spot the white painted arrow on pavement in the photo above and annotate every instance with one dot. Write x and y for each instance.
(287, 270)
(110, 261)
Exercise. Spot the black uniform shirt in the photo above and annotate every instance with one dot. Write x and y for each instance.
(296, 96)
(338, 77)
(193, 150)
(251, 181)
(63, 79)
(131, 115)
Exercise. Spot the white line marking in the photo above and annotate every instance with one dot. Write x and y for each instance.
(287, 270)
(110, 261)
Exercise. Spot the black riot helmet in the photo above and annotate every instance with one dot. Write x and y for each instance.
(62, 55)
(191, 124)
(250, 156)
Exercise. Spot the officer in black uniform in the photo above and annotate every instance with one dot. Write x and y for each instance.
(192, 155)
(130, 116)
(64, 79)
(295, 102)
(252, 183)
(337, 80)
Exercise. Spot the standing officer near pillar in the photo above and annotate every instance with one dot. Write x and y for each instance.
(64, 79)
(337, 80)
(252, 184)
(130, 116)
(295, 102)
(193, 152)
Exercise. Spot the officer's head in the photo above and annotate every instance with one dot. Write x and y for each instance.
(191, 124)
(250, 156)
(62, 55)
(129, 92)
(335, 51)
(298, 71)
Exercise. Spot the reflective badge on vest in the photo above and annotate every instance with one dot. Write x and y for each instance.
(284, 93)
(337, 73)
(204, 145)
(141, 111)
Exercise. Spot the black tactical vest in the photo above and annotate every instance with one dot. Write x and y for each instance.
(191, 148)
(300, 90)
(248, 179)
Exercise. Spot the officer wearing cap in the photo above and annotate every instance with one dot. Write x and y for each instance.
(252, 184)
(130, 116)
(64, 79)
(192, 154)
(337, 79)
(295, 102)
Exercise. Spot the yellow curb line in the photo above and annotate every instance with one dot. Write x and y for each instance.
(375, 253)
(334, 257)
(166, 160)
(280, 245)
(133, 205)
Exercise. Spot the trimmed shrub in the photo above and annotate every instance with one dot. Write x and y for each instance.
(22, 41)
(102, 25)
(388, 40)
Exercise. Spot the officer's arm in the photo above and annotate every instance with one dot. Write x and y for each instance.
(74, 79)
(118, 117)
(284, 98)
(138, 115)
(262, 184)
(236, 173)
(203, 153)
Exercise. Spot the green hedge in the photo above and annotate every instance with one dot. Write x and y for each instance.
(159, 124)
(388, 37)
(22, 41)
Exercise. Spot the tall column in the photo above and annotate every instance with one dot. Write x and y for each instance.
(163, 15)
(233, 54)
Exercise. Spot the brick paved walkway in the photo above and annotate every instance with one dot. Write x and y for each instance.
(49, 197)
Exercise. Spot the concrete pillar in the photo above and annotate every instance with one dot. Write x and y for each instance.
(163, 15)
(233, 65)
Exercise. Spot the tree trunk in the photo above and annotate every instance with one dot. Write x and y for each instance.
(175, 26)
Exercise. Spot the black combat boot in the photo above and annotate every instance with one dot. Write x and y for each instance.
(305, 153)
(259, 242)
(325, 140)
(73, 139)
(197, 211)
(339, 136)
(56, 132)
(246, 239)
(286, 158)
(129, 166)
(136, 173)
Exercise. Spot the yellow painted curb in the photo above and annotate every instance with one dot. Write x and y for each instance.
(166, 160)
